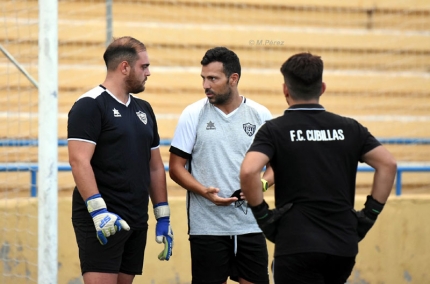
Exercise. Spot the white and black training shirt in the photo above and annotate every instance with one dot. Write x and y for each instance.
(215, 144)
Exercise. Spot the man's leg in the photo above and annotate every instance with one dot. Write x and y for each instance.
(300, 268)
(125, 278)
(99, 263)
(107, 278)
(210, 259)
(133, 256)
(338, 269)
(98, 277)
(252, 259)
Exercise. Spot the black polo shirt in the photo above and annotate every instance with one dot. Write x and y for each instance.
(314, 155)
(124, 135)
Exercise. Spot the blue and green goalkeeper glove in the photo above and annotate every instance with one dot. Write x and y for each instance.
(163, 231)
(106, 223)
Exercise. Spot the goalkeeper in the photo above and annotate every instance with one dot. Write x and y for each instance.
(314, 156)
(114, 153)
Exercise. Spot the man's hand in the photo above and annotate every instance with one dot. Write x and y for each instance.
(105, 222)
(240, 196)
(163, 231)
(267, 219)
(364, 224)
(366, 217)
(212, 195)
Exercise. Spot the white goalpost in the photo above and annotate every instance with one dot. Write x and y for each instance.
(29, 237)
(48, 143)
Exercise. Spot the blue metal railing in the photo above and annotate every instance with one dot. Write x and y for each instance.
(61, 142)
(400, 169)
(62, 167)
(33, 168)
(166, 142)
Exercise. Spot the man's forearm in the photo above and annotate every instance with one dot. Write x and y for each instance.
(383, 181)
(251, 188)
(158, 187)
(182, 177)
(85, 180)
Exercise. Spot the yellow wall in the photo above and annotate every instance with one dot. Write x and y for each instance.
(396, 250)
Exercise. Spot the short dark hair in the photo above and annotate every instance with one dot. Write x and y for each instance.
(303, 75)
(123, 48)
(228, 58)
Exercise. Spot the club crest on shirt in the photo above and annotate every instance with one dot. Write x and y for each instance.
(249, 128)
(142, 116)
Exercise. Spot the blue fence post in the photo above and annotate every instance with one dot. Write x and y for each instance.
(33, 182)
(399, 182)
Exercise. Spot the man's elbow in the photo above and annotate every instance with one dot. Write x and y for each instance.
(75, 162)
(173, 173)
(384, 162)
(245, 172)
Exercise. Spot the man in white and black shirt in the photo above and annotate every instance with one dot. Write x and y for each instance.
(210, 141)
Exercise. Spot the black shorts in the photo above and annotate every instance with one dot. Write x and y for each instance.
(214, 258)
(123, 252)
(312, 268)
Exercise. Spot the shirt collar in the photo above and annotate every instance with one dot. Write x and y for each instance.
(306, 107)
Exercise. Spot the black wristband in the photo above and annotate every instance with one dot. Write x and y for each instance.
(372, 208)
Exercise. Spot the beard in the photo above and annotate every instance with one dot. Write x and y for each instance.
(219, 98)
(133, 85)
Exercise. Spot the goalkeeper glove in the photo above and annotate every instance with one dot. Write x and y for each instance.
(366, 217)
(106, 223)
(163, 231)
(267, 219)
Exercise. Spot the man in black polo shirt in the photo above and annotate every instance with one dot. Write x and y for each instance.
(314, 155)
(116, 163)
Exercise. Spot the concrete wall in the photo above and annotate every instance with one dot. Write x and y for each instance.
(396, 250)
